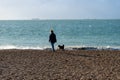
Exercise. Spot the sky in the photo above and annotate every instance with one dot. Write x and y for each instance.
(59, 9)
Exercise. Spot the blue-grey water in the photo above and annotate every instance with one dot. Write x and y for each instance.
(34, 34)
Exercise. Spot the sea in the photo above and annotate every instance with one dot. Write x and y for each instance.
(83, 33)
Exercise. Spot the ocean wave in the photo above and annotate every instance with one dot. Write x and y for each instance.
(19, 47)
(66, 47)
(93, 48)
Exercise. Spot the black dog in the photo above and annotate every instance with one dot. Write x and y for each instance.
(61, 47)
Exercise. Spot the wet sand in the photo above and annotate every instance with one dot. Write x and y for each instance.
(59, 65)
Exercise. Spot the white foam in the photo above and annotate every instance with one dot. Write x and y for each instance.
(19, 47)
(66, 47)
(7, 47)
(93, 47)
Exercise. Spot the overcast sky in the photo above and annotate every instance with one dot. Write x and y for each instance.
(59, 9)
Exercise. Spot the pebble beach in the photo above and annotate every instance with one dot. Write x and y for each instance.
(60, 65)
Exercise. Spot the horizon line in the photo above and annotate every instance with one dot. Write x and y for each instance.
(63, 19)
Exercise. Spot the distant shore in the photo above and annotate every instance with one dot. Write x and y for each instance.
(60, 65)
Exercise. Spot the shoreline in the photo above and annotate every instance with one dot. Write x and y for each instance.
(66, 48)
